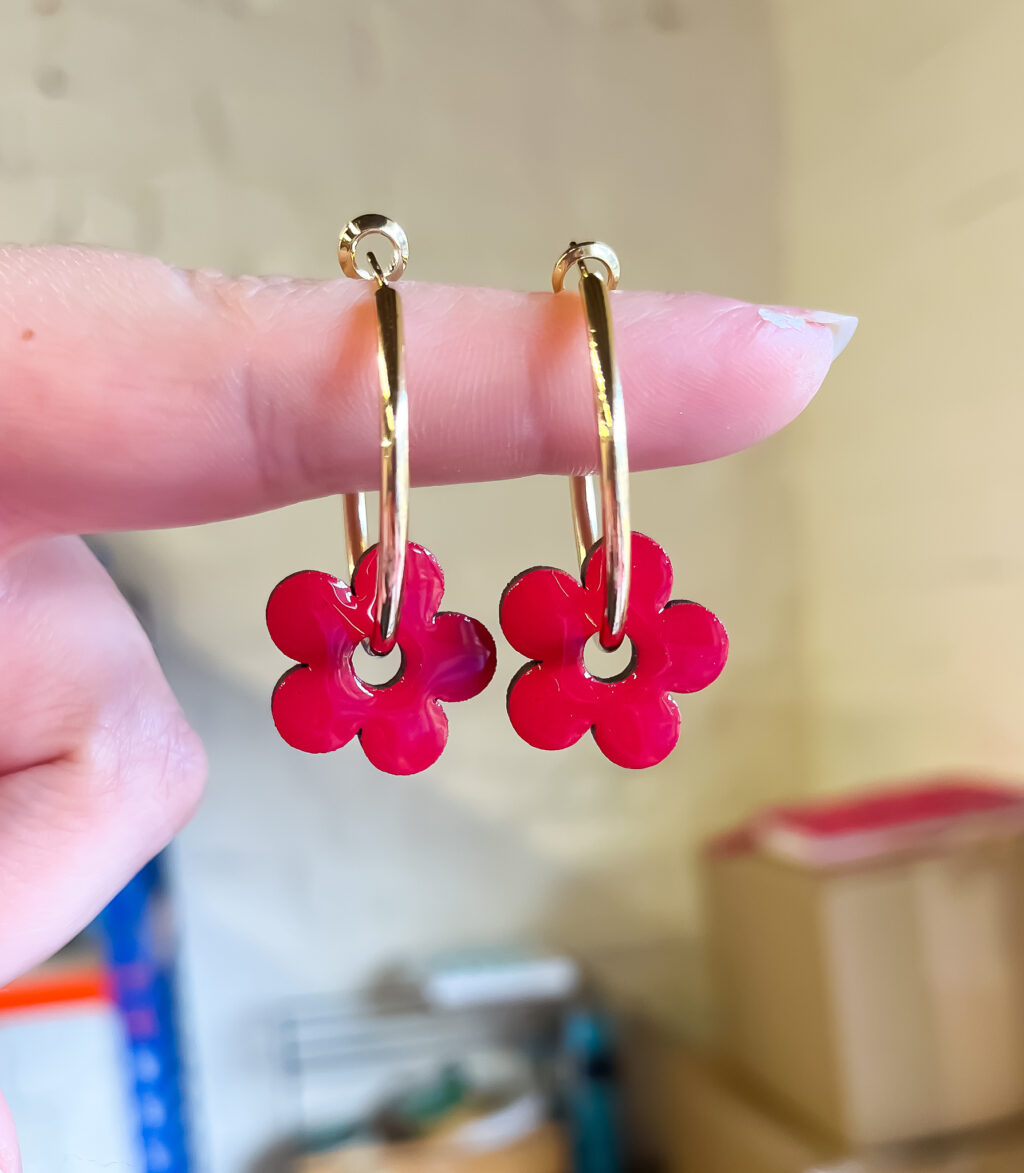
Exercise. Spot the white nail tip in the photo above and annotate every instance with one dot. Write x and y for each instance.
(841, 325)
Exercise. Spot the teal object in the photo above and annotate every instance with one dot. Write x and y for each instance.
(593, 1101)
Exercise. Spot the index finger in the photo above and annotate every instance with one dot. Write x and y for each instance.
(134, 394)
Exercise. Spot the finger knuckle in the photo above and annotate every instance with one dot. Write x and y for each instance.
(181, 776)
(155, 762)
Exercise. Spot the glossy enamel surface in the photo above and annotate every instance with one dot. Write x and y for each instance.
(321, 703)
(548, 616)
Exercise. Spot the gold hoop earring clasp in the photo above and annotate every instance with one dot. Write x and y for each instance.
(611, 430)
(393, 527)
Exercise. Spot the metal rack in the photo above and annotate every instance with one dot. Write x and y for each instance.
(343, 1055)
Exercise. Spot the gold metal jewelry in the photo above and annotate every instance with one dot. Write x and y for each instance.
(394, 426)
(611, 430)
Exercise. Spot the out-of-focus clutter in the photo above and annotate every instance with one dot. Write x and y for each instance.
(476, 1063)
(868, 958)
(471, 1135)
(61, 1059)
(105, 1005)
(868, 963)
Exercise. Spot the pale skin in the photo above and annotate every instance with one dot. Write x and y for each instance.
(134, 395)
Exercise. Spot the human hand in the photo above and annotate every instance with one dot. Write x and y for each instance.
(134, 395)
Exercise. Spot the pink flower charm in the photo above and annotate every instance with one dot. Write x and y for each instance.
(548, 615)
(320, 704)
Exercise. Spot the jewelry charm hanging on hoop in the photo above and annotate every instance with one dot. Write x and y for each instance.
(622, 592)
(395, 592)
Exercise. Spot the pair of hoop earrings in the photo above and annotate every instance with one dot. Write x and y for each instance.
(393, 600)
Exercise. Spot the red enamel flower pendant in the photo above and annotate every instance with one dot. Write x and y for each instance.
(548, 615)
(321, 703)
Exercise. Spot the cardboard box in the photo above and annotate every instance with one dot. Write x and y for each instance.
(699, 1118)
(869, 960)
(687, 1114)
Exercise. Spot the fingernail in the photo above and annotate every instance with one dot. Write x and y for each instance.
(841, 325)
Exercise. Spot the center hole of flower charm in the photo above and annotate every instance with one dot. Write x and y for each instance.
(378, 671)
(609, 666)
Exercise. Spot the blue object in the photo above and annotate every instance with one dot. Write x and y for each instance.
(136, 930)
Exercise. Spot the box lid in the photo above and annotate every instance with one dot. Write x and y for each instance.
(879, 823)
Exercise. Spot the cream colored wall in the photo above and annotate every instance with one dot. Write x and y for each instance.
(241, 134)
(904, 203)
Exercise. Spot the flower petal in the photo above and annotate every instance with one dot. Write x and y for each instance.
(640, 733)
(309, 616)
(550, 706)
(422, 585)
(543, 614)
(407, 740)
(697, 644)
(650, 578)
(459, 657)
(317, 711)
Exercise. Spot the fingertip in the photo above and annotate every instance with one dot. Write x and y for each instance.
(719, 375)
(794, 354)
(803, 344)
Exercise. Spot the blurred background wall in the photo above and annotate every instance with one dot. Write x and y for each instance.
(902, 195)
(861, 158)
